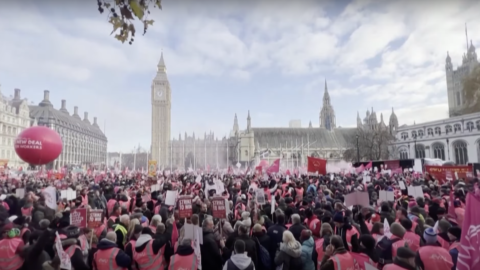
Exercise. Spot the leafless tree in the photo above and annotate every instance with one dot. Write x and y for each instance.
(372, 145)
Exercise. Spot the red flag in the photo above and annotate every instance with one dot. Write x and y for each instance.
(317, 165)
(275, 167)
(174, 233)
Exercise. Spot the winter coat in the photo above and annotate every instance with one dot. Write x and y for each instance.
(289, 257)
(307, 250)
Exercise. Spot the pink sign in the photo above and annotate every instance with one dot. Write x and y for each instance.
(78, 217)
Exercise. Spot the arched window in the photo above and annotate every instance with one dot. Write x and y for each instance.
(478, 124)
(404, 135)
(448, 129)
(457, 127)
(438, 151)
(420, 151)
(438, 131)
(403, 153)
(414, 134)
(430, 132)
(461, 153)
(470, 126)
(420, 133)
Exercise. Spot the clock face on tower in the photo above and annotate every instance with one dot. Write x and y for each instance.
(160, 93)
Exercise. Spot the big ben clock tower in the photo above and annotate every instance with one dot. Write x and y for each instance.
(161, 115)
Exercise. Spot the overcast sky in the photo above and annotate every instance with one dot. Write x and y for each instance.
(227, 57)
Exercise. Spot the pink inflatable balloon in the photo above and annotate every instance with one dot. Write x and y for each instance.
(38, 145)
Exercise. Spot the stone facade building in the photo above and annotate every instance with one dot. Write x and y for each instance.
(454, 139)
(291, 145)
(456, 76)
(14, 119)
(84, 143)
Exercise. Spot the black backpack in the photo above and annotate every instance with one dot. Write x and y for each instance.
(384, 250)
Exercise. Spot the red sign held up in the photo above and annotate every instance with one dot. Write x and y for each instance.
(219, 207)
(78, 217)
(185, 207)
(441, 172)
(94, 219)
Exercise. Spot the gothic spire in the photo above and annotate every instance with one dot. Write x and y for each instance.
(326, 96)
(235, 123)
(310, 124)
(161, 64)
(248, 121)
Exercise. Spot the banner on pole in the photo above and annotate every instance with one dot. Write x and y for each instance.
(152, 168)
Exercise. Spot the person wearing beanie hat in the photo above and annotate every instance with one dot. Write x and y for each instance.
(442, 233)
(398, 232)
(308, 245)
(432, 256)
(347, 232)
(455, 235)
(405, 259)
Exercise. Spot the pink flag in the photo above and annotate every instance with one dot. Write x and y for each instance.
(369, 166)
(470, 242)
(360, 169)
(275, 167)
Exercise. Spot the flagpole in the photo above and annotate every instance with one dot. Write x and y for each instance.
(183, 150)
(296, 152)
(302, 153)
(308, 146)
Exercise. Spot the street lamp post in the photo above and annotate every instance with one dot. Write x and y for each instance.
(448, 149)
(415, 146)
(358, 151)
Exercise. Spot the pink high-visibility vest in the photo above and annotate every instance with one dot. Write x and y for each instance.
(9, 259)
(178, 262)
(104, 259)
(147, 260)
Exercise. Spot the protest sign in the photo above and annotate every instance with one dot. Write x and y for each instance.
(219, 207)
(185, 207)
(78, 217)
(94, 219)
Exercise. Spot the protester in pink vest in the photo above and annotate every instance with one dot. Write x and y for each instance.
(11, 247)
(405, 260)
(149, 253)
(108, 256)
(337, 256)
(114, 215)
(110, 205)
(184, 257)
(411, 238)
(398, 232)
(455, 234)
(432, 256)
(130, 246)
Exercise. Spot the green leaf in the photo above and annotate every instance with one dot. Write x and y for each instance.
(149, 22)
(158, 3)
(116, 23)
(136, 9)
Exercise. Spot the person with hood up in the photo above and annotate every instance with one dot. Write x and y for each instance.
(184, 257)
(405, 260)
(239, 260)
(109, 256)
(149, 251)
(348, 233)
(307, 250)
(455, 234)
(289, 253)
(433, 256)
(367, 252)
(336, 256)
